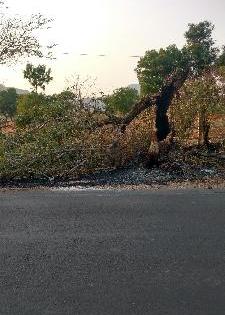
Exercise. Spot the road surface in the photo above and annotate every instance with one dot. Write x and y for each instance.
(112, 252)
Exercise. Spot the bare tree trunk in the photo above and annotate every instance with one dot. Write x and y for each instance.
(206, 134)
(153, 152)
(203, 129)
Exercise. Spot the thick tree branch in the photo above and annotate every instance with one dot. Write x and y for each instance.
(161, 100)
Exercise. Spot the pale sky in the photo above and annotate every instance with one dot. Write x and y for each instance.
(117, 28)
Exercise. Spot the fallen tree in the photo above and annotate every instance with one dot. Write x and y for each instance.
(160, 102)
(161, 73)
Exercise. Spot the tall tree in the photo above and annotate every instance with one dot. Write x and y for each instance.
(37, 76)
(200, 46)
(162, 73)
(197, 56)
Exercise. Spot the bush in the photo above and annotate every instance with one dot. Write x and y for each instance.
(58, 136)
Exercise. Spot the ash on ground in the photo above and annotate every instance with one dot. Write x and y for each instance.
(176, 169)
(156, 176)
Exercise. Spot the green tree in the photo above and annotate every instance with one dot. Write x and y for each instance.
(8, 99)
(121, 100)
(200, 46)
(156, 66)
(30, 109)
(37, 76)
(198, 99)
(198, 54)
(34, 109)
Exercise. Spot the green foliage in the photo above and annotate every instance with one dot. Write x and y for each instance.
(121, 100)
(37, 76)
(198, 99)
(56, 137)
(198, 54)
(30, 109)
(8, 99)
(200, 46)
(156, 66)
(35, 109)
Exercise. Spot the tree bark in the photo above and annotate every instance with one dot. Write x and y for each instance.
(204, 128)
(160, 102)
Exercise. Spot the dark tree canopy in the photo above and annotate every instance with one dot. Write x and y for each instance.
(8, 100)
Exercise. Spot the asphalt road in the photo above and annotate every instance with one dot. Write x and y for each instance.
(111, 252)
